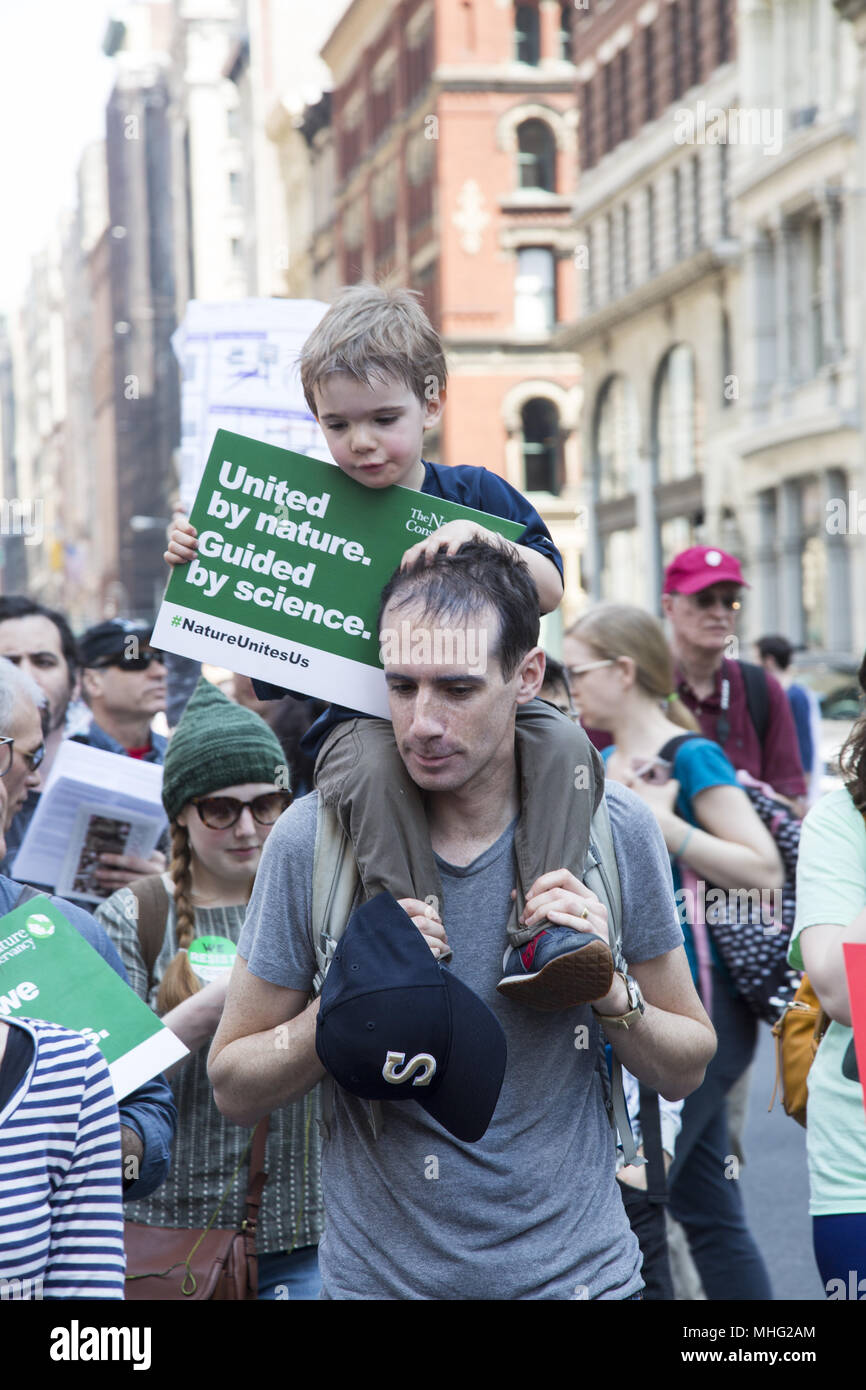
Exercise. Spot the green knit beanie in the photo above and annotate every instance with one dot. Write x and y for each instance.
(217, 744)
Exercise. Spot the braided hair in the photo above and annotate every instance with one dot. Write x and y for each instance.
(180, 980)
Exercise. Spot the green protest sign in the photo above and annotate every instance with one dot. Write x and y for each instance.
(292, 558)
(49, 971)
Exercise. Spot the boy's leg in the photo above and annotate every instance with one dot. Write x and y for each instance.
(360, 774)
(561, 785)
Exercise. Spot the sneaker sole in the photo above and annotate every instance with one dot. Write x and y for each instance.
(579, 977)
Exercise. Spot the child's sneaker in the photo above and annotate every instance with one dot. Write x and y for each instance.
(558, 969)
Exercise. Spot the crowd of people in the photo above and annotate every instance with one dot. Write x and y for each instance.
(456, 977)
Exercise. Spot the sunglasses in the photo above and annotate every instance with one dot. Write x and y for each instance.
(705, 599)
(222, 812)
(575, 672)
(31, 759)
(130, 663)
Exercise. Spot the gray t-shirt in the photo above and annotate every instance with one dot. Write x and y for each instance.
(531, 1211)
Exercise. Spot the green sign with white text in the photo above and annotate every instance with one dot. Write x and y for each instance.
(292, 558)
(49, 971)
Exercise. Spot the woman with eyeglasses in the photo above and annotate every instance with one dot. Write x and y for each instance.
(622, 680)
(223, 791)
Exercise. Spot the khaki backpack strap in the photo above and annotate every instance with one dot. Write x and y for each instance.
(336, 890)
(601, 866)
(153, 904)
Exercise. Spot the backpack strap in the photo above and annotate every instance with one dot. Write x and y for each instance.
(757, 697)
(601, 867)
(651, 1129)
(336, 892)
(673, 745)
(152, 898)
(26, 894)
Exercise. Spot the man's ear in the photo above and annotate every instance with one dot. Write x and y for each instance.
(91, 684)
(530, 675)
(667, 604)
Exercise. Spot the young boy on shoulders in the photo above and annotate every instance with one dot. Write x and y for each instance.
(374, 376)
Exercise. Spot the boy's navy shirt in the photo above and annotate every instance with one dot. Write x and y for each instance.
(471, 487)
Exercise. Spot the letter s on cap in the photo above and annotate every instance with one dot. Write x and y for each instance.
(421, 1059)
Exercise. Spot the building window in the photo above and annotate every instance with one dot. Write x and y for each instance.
(816, 294)
(611, 258)
(623, 568)
(419, 61)
(649, 73)
(233, 123)
(587, 143)
(675, 443)
(676, 50)
(566, 37)
(678, 214)
(626, 246)
(694, 43)
(536, 156)
(235, 189)
(651, 243)
(697, 225)
(624, 96)
(724, 214)
(236, 251)
(728, 384)
(609, 110)
(589, 271)
(723, 43)
(542, 447)
(617, 440)
(535, 290)
(526, 34)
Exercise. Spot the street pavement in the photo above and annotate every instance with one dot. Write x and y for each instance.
(775, 1185)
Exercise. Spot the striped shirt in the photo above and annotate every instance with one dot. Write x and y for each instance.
(208, 1148)
(61, 1200)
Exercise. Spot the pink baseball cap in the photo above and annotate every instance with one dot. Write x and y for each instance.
(699, 567)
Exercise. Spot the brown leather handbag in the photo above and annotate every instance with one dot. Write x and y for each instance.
(163, 1263)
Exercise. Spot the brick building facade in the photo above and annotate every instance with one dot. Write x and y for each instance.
(455, 137)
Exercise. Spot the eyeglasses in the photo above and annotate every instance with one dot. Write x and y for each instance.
(704, 598)
(222, 812)
(575, 672)
(31, 759)
(130, 663)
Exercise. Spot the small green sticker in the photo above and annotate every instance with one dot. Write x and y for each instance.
(209, 956)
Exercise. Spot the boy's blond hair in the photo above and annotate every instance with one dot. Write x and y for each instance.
(371, 332)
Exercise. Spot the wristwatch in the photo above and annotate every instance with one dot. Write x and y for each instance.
(636, 1009)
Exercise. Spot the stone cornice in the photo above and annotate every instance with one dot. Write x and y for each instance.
(653, 292)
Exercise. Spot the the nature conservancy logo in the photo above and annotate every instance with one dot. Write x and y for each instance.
(39, 925)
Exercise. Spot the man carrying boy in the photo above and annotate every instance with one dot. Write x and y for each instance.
(374, 375)
(531, 1210)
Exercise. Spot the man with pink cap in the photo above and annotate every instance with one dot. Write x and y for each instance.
(736, 704)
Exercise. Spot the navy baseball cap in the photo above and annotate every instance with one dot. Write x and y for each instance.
(393, 1024)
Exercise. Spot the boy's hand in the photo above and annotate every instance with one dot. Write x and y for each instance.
(429, 924)
(182, 542)
(449, 538)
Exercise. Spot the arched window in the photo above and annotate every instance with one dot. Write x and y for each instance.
(542, 446)
(526, 34)
(617, 440)
(675, 439)
(536, 156)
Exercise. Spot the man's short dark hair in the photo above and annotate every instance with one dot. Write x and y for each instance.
(20, 606)
(454, 588)
(554, 672)
(778, 647)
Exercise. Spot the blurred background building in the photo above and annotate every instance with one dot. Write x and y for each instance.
(636, 225)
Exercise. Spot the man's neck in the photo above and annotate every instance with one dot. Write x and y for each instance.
(52, 744)
(131, 731)
(698, 666)
(465, 823)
